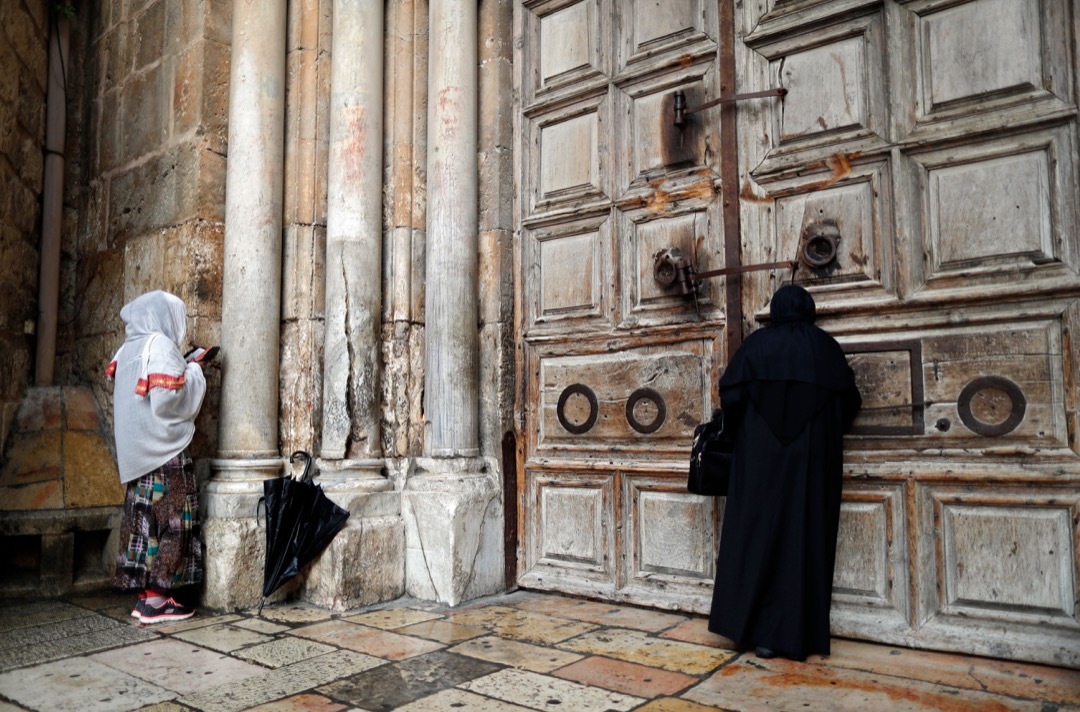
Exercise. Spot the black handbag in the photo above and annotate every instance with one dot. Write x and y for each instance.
(710, 458)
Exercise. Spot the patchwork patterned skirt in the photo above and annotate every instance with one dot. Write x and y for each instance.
(159, 533)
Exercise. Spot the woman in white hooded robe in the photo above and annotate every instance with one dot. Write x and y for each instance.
(156, 397)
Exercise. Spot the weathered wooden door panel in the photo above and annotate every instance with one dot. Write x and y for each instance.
(571, 533)
(935, 143)
(618, 369)
(669, 552)
(871, 584)
(997, 568)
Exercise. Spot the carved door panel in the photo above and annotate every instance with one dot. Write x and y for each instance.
(617, 370)
(934, 143)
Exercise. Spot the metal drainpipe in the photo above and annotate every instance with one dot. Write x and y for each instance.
(52, 203)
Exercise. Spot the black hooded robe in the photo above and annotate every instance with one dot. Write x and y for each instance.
(790, 394)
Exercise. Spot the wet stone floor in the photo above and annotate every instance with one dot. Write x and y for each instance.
(519, 651)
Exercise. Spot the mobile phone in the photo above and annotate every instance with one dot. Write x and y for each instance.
(202, 355)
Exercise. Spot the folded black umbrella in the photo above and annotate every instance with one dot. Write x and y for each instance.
(300, 522)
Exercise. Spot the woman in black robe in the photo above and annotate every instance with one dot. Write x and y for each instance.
(789, 394)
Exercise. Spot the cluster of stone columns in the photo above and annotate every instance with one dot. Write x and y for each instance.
(351, 459)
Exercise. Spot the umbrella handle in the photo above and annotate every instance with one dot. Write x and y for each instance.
(306, 477)
(260, 503)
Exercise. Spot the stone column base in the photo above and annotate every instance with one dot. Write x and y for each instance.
(233, 555)
(453, 530)
(364, 564)
(234, 540)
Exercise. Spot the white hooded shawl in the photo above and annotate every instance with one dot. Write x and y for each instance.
(157, 394)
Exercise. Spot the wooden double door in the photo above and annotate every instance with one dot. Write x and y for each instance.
(921, 168)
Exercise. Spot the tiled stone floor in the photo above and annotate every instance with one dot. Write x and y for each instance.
(520, 651)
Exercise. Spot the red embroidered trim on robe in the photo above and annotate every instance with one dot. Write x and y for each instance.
(159, 380)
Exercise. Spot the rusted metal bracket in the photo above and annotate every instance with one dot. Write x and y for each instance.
(672, 268)
(786, 264)
(681, 112)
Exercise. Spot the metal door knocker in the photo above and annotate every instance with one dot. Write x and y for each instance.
(820, 241)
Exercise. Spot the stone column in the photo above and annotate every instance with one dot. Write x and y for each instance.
(350, 425)
(451, 342)
(452, 534)
(351, 466)
(251, 314)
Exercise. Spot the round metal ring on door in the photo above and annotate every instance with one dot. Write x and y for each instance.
(661, 410)
(986, 385)
(594, 408)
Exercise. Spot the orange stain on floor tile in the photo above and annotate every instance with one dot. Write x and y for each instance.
(301, 703)
(998, 676)
(372, 641)
(674, 704)
(785, 684)
(629, 678)
(696, 630)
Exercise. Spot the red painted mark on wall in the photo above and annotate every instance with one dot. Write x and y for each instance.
(449, 103)
(353, 144)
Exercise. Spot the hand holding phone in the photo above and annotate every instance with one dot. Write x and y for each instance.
(202, 355)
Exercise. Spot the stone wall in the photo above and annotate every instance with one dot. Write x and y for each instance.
(24, 58)
(147, 180)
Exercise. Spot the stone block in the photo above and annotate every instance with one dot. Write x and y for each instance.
(302, 271)
(99, 278)
(187, 89)
(215, 94)
(15, 368)
(107, 144)
(364, 564)
(453, 533)
(38, 495)
(92, 237)
(149, 34)
(90, 475)
(496, 28)
(26, 37)
(217, 21)
(496, 278)
(194, 255)
(9, 81)
(31, 162)
(41, 409)
(25, 209)
(300, 383)
(8, 409)
(198, 179)
(57, 563)
(234, 552)
(145, 101)
(183, 24)
(209, 189)
(144, 198)
(34, 456)
(144, 264)
(80, 409)
(304, 20)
